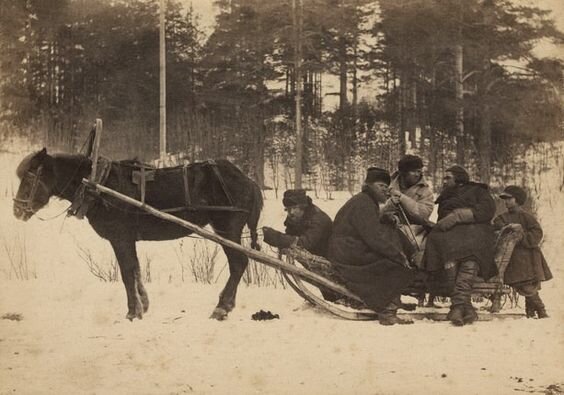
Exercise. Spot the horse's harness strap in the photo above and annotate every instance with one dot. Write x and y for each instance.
(213, 165)
(83, 201)
(187, 199)
(26, 204)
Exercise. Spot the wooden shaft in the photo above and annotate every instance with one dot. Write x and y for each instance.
(162, 84)
(313, 278)
(95, 148)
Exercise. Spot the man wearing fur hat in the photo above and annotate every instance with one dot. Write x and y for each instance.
(410, 192)
(307, 226)
(367, 253)
(462, 241)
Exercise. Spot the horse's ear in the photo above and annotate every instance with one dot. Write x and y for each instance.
(43, 152)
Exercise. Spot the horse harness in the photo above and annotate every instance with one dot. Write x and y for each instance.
(84, 198)
(27, 204)
(146, 173)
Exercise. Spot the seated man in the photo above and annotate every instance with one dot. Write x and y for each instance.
(411, 204)
(462, 242)
(367, 254)
(410, 195)
(307, 226)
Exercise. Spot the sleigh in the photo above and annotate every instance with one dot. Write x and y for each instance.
(354, 309)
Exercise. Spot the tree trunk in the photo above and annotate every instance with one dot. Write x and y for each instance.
(355, 83)
(459, 128)
(485, 144)
(342, 73)
(401, 114)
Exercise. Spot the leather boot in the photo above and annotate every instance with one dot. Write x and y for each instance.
(538, 306)
(456, 315)
(529, 309)
(390, 318)
(470, 314)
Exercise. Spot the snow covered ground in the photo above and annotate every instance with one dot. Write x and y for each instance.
(63, 331)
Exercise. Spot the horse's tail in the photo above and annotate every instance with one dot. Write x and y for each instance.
(254, 215)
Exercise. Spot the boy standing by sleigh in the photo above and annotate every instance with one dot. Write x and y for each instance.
(527, 266)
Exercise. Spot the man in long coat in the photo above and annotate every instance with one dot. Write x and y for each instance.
(462, 241)
(368, 254)
(307, 226)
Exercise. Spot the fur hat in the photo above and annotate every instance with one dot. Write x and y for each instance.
(460, 174)
(410, 163)
(296, 197)
(514, 191)
(374, 174)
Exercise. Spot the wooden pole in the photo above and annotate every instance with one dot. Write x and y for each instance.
(297, 19)
(256, 255)
(162, 62)
(95, 148)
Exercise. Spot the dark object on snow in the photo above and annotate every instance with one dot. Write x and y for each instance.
(12, 317)
(211, 192)
(264, 315)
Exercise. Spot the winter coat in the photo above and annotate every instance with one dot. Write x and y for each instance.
(527, 263)
(367, 254)
(313, 231)
(417, 202)
(463, 241)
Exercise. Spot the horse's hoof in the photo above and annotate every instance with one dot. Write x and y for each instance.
(131, 316)
(219, 314)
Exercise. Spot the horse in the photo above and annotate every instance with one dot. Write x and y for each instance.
(194, 190)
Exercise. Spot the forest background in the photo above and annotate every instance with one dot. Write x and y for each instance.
(452, 81)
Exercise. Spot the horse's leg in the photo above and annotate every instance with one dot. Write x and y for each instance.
(237, 264)
(137, 300)
(142, 293)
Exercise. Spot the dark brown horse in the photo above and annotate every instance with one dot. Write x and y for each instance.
(43, 176)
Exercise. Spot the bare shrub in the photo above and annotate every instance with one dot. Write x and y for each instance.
(16, 253)
(107, 271)
(199, 258)
(261, 275)
(146, 268)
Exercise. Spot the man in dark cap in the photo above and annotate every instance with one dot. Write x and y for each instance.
(307, 226)
(367, 254)
(527, 267)
(410, 193)
(462, 241)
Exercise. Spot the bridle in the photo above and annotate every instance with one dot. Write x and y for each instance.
(26, 204)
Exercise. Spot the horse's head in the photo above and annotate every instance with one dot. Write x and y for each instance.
(37, 182)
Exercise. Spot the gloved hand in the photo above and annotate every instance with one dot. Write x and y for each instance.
(446, 223)
(395, 196)
(277, 239)
(389, 219)
(458, 216)
(516, 227)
